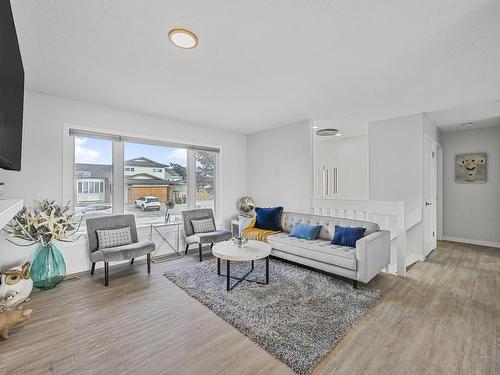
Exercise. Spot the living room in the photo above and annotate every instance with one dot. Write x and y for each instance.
(343, 156)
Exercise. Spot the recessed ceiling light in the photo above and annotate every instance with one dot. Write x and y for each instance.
(183, 38)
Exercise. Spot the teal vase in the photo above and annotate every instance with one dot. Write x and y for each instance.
(48, 268)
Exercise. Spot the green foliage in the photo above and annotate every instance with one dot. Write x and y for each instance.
(180, 169)
(205, 171)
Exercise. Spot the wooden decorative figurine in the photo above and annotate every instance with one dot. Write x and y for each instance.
(12, 318)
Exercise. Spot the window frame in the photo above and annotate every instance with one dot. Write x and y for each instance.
(118, 169)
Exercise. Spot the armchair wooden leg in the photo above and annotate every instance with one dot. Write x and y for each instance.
(149, 262)
(92, 269)
(355, 284)
(132, 261)
(200, 247)
(211, 245)
(106, 273)
(187, 248)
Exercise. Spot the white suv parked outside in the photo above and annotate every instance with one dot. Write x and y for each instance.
(148, 203)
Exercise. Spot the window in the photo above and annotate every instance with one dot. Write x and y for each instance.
(153, 175)
(93, 175)
(205, 179)
(146, 194)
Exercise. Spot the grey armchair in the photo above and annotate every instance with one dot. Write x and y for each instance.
(135, 249)
(202, 238)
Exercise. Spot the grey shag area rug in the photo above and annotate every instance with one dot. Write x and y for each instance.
(298, 317)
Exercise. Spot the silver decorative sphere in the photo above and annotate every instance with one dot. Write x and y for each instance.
(246, 205)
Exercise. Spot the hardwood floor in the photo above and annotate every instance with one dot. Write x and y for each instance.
(444, 318)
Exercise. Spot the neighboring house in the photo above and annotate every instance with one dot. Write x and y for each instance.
(144, 165)
(93, 184)
(172, 175)
(142, 177)
(144, 184)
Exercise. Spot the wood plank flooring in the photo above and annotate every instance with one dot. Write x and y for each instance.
(444, 318)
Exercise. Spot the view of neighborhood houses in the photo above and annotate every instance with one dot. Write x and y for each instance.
(153, 175)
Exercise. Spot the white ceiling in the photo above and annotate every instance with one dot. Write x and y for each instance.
(482, 115)
(261, 63)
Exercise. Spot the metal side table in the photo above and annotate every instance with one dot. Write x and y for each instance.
(156, 229)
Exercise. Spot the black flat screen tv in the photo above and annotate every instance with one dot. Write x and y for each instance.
(11, 91)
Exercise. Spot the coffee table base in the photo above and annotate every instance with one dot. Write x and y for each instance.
(244, 277)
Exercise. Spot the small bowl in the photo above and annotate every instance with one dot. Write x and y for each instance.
(240, 241)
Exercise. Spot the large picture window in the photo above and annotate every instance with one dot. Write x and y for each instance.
(160, 180)
(93, 177)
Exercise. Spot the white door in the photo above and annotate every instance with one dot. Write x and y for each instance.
(430, 194)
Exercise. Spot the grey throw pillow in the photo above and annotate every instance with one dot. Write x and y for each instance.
(113, 237)
(203, 225)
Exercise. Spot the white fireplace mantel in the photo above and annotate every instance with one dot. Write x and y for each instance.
(8, 209)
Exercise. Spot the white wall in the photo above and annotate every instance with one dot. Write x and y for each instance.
(396, 170)
(396, 160)
(279, 167)
(41, 175)
(431, 130)
(472, 211)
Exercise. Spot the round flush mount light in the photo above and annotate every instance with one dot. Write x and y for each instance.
(328, 132)
(183, 38)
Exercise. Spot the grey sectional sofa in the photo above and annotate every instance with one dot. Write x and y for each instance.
(362, 263)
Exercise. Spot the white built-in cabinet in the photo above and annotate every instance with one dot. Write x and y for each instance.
(340, 167)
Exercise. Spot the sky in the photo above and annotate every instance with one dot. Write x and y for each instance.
(99, 151)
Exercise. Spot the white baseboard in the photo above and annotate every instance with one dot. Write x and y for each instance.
(412, 258)
(472, 242)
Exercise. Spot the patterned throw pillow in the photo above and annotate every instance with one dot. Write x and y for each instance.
(203, 225)
(113, 237)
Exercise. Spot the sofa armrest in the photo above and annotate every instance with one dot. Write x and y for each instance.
(373, 253)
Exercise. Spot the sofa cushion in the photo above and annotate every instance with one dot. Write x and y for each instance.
(268, 218)
(347, 236)
(319, 250)
(209, 237)
(129, 251)
(305, 231)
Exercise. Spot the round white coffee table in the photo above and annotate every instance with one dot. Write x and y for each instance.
(250, 252)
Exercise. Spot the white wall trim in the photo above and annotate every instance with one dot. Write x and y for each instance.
(413, 258)
(471, 242)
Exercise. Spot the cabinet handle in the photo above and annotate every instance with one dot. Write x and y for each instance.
(335, 180)
(327, 183)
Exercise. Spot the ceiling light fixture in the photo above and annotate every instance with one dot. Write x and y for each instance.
(183, 38)
(327, 132)
(467, 124)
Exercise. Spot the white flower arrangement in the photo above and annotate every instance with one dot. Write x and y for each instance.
(46, 222)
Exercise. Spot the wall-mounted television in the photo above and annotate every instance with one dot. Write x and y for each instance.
(11, 91)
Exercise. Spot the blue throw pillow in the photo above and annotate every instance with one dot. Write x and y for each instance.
(268, 218)
(305, 231)
(347, 236)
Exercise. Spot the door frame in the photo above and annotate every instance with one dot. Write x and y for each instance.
(434, 200)
(439, 195)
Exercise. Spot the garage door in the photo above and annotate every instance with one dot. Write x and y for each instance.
(134, 192)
